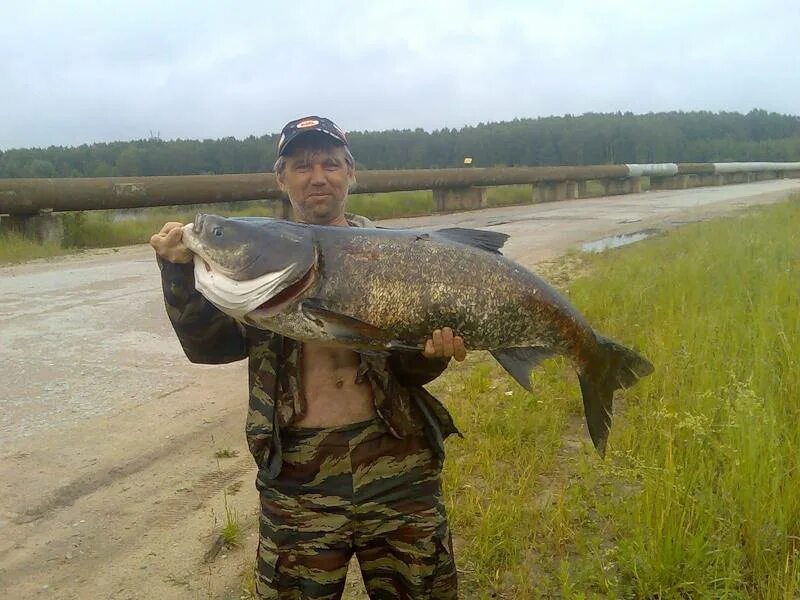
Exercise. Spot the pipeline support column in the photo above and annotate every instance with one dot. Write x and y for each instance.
(44, 227)
(550, 191)
(455, 199)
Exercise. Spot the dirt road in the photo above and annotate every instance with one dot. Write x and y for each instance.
(109, 485)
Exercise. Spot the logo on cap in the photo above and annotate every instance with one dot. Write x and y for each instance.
(307, 123)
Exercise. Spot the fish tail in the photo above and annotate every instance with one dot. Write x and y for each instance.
(617, 367)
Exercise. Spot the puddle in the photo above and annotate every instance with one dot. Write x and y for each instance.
(615, 241)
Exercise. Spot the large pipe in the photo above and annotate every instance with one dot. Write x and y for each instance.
(695, 168)
(653, 169)
(752, 167)
(29, 196)
(426, 179)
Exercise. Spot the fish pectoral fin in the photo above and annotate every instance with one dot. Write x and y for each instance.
(491, 241)
(398, 345)
(519, 362)
(372, 353)
(343, 327)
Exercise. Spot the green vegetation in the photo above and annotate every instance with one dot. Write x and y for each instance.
(591, 138)
(226, 453)
(102, 229)
(108, 228)
(15, 248)
(391, 205)
(697, 497)
(232, 531)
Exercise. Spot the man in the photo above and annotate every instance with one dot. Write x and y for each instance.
(349, 446)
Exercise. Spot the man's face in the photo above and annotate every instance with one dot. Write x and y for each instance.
(317, 182)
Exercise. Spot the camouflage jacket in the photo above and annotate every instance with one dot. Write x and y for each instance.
(209, 336)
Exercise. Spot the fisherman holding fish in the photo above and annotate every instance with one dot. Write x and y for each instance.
(349, 445)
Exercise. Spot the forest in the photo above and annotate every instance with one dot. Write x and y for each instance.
(592, 138)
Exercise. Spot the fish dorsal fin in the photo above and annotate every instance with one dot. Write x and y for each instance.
(491, 241)
(519, 362)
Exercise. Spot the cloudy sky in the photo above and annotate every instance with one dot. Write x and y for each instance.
(82, 71)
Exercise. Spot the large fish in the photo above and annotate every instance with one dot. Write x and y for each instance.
(383, 290)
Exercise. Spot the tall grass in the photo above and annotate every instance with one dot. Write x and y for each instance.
(714, 448)
(699, 496)
(391, 205)
(102, 229)
(15, 248)
(107, 228)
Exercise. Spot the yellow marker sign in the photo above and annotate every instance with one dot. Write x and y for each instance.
(468, 160)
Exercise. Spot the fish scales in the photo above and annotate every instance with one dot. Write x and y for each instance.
(411, 285)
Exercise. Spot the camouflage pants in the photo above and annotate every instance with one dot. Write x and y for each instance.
(354, 489)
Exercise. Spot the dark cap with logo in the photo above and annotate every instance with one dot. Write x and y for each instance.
(298, 127)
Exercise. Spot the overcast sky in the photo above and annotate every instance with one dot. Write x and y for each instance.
(78, 72)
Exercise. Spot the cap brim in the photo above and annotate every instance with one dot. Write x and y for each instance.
(288, 142)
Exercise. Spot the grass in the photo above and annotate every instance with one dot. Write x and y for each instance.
(391, 205)
(110, 228)
(15, 248)
(225, 453)
(232, 530)
(103, 229)
(697, 497)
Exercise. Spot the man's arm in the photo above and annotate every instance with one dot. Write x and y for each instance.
(419, 369)
(206, 334)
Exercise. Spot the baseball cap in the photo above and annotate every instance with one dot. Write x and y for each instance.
(298, 127)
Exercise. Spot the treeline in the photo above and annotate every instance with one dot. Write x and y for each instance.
(569, 140)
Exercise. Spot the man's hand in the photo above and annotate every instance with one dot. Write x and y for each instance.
(168, 244)
(443, 344)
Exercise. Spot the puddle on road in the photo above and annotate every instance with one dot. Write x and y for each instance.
(615, 241)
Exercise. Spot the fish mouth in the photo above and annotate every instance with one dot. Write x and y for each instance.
(287, 295)
(191, 239)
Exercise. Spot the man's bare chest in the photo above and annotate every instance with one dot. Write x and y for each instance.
(332, 394)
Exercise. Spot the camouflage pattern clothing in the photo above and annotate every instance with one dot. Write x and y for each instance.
(405, 409)
(354, 489)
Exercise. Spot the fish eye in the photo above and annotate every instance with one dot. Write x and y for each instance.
(217, 231)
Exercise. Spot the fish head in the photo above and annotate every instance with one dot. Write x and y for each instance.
(244, 263)
(238, 249)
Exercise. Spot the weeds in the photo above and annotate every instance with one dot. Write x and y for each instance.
(232, 531)
(15, 248)
(226, 453)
